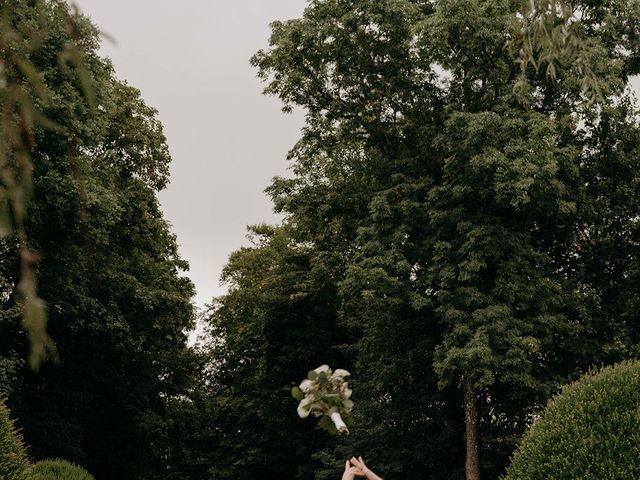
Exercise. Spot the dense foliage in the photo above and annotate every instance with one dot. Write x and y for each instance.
(591, 430)
(59, 470)
(276, 320)
(118, 306)
(474, 233)
(14, 464)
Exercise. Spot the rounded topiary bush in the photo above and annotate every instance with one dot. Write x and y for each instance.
(590, 431)
(14, 464)
(59, 470)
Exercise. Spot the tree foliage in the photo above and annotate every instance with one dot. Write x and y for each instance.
(470, 228)
(14, 464)
(590, 430)
(110, 275)
(460, 232)
(59, 470)
(23, 97)
(278, 318)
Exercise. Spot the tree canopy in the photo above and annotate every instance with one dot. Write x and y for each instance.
(467, 216)
(118, 303)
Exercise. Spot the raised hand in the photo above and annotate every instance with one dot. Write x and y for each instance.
(360, 465)
(351, 472)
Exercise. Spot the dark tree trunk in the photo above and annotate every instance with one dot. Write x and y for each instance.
(472, 464)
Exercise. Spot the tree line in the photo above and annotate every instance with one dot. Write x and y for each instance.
(461, 232)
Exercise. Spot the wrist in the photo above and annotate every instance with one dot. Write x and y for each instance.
(370, 475)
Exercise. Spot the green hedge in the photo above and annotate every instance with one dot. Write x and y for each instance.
(590, 431)
(14, 464)
(59, 470)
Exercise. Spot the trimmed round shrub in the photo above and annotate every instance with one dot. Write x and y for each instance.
(591, 431)
(59, 470)
(14, 464)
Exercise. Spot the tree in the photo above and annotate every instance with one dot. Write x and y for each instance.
(22, 93)
(276, 323)
(118, 304)
(474, 217)
(14, 464)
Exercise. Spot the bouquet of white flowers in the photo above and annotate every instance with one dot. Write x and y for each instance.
(325, 393)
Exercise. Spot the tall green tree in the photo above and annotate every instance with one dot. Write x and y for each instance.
(475, 228)
(119, 306)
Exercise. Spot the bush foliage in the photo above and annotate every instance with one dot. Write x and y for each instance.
(590, 430)
(59, 470)
(13, 457)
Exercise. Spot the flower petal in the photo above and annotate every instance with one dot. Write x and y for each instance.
(322, 368)
(303, 407)
(341, 373)
(306, 385)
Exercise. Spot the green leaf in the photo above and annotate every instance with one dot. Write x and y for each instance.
(327, 425)
(297, 393)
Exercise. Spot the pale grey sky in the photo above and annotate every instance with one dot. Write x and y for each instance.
(190, 59)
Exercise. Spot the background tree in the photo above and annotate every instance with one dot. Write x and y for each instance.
(118, 306)
(14, 464)
(22, 93)
(277, 319)
(475, 194)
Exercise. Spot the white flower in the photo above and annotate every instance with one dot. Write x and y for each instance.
(306, 385)
(340, 373)
(345, 391)
(303, 407)
(322, 368)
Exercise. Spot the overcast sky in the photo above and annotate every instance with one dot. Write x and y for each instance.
(190, 59)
